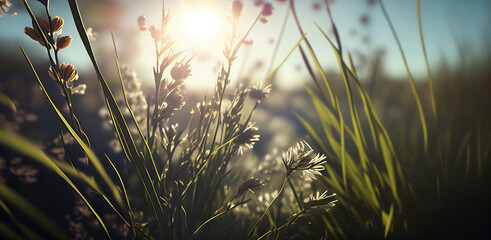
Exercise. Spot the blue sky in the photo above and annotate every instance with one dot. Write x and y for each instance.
(445, 22)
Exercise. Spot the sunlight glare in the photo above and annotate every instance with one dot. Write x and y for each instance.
(200, 24)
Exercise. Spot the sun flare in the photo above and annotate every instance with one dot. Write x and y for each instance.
(200, 24)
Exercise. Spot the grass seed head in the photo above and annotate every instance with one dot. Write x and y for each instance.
(249, 185)
(66, 73)
(63, 42)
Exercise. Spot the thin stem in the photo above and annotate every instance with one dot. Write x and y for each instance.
(280, 37)
(269, 206)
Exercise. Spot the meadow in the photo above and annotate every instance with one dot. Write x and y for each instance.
(113, 150)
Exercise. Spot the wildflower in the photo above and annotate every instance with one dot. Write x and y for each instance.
(233, 114)
(173, 102)
(142, 25)
(267, 10)
(156, 33)
(66, 73)
(246, 139)
(236, 9)
(180, 71)
(63, 42)
(248, 185)
(56, 26)
(316, 6)
(321, 202)
(322, 199)
(259, 93)
(298, 157)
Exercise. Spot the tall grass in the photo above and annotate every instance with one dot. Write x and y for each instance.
(381, 182)
(397, 187)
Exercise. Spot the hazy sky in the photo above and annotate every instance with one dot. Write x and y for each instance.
(445, 22)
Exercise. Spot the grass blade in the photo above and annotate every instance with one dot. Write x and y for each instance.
(411, 80)
(31, 211)
(430, 76)
(120, 124)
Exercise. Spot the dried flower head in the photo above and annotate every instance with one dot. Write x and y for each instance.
(57, 24)
(322, 199)
(5, 6)
(247, 138)
(173, 102)
(66, 73)
(33, 34)
(249, 185)
(259, 93)
(156, 34)
(299, 157)
(63, 42)
(181, 70)
(267, 10)
(142, 23)
(236, 9)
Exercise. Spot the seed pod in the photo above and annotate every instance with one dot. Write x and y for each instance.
(63, 42)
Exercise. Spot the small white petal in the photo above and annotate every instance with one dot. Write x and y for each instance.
(80, 89)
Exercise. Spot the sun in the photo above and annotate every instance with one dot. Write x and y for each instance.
(200, 24)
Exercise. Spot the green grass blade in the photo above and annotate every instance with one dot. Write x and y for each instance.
(364, 101)
(321, 71)
(271, 75)
(120, 124)
(130, 211)
(387, 220)
(27, 232)
(145, 143)
(389, 164)
(6, 232)
(359, 138)
(428, 69)
(90, 154)
(31, 211)
(341, 136)
(411, 80)
(6, 101)
(24, 147)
